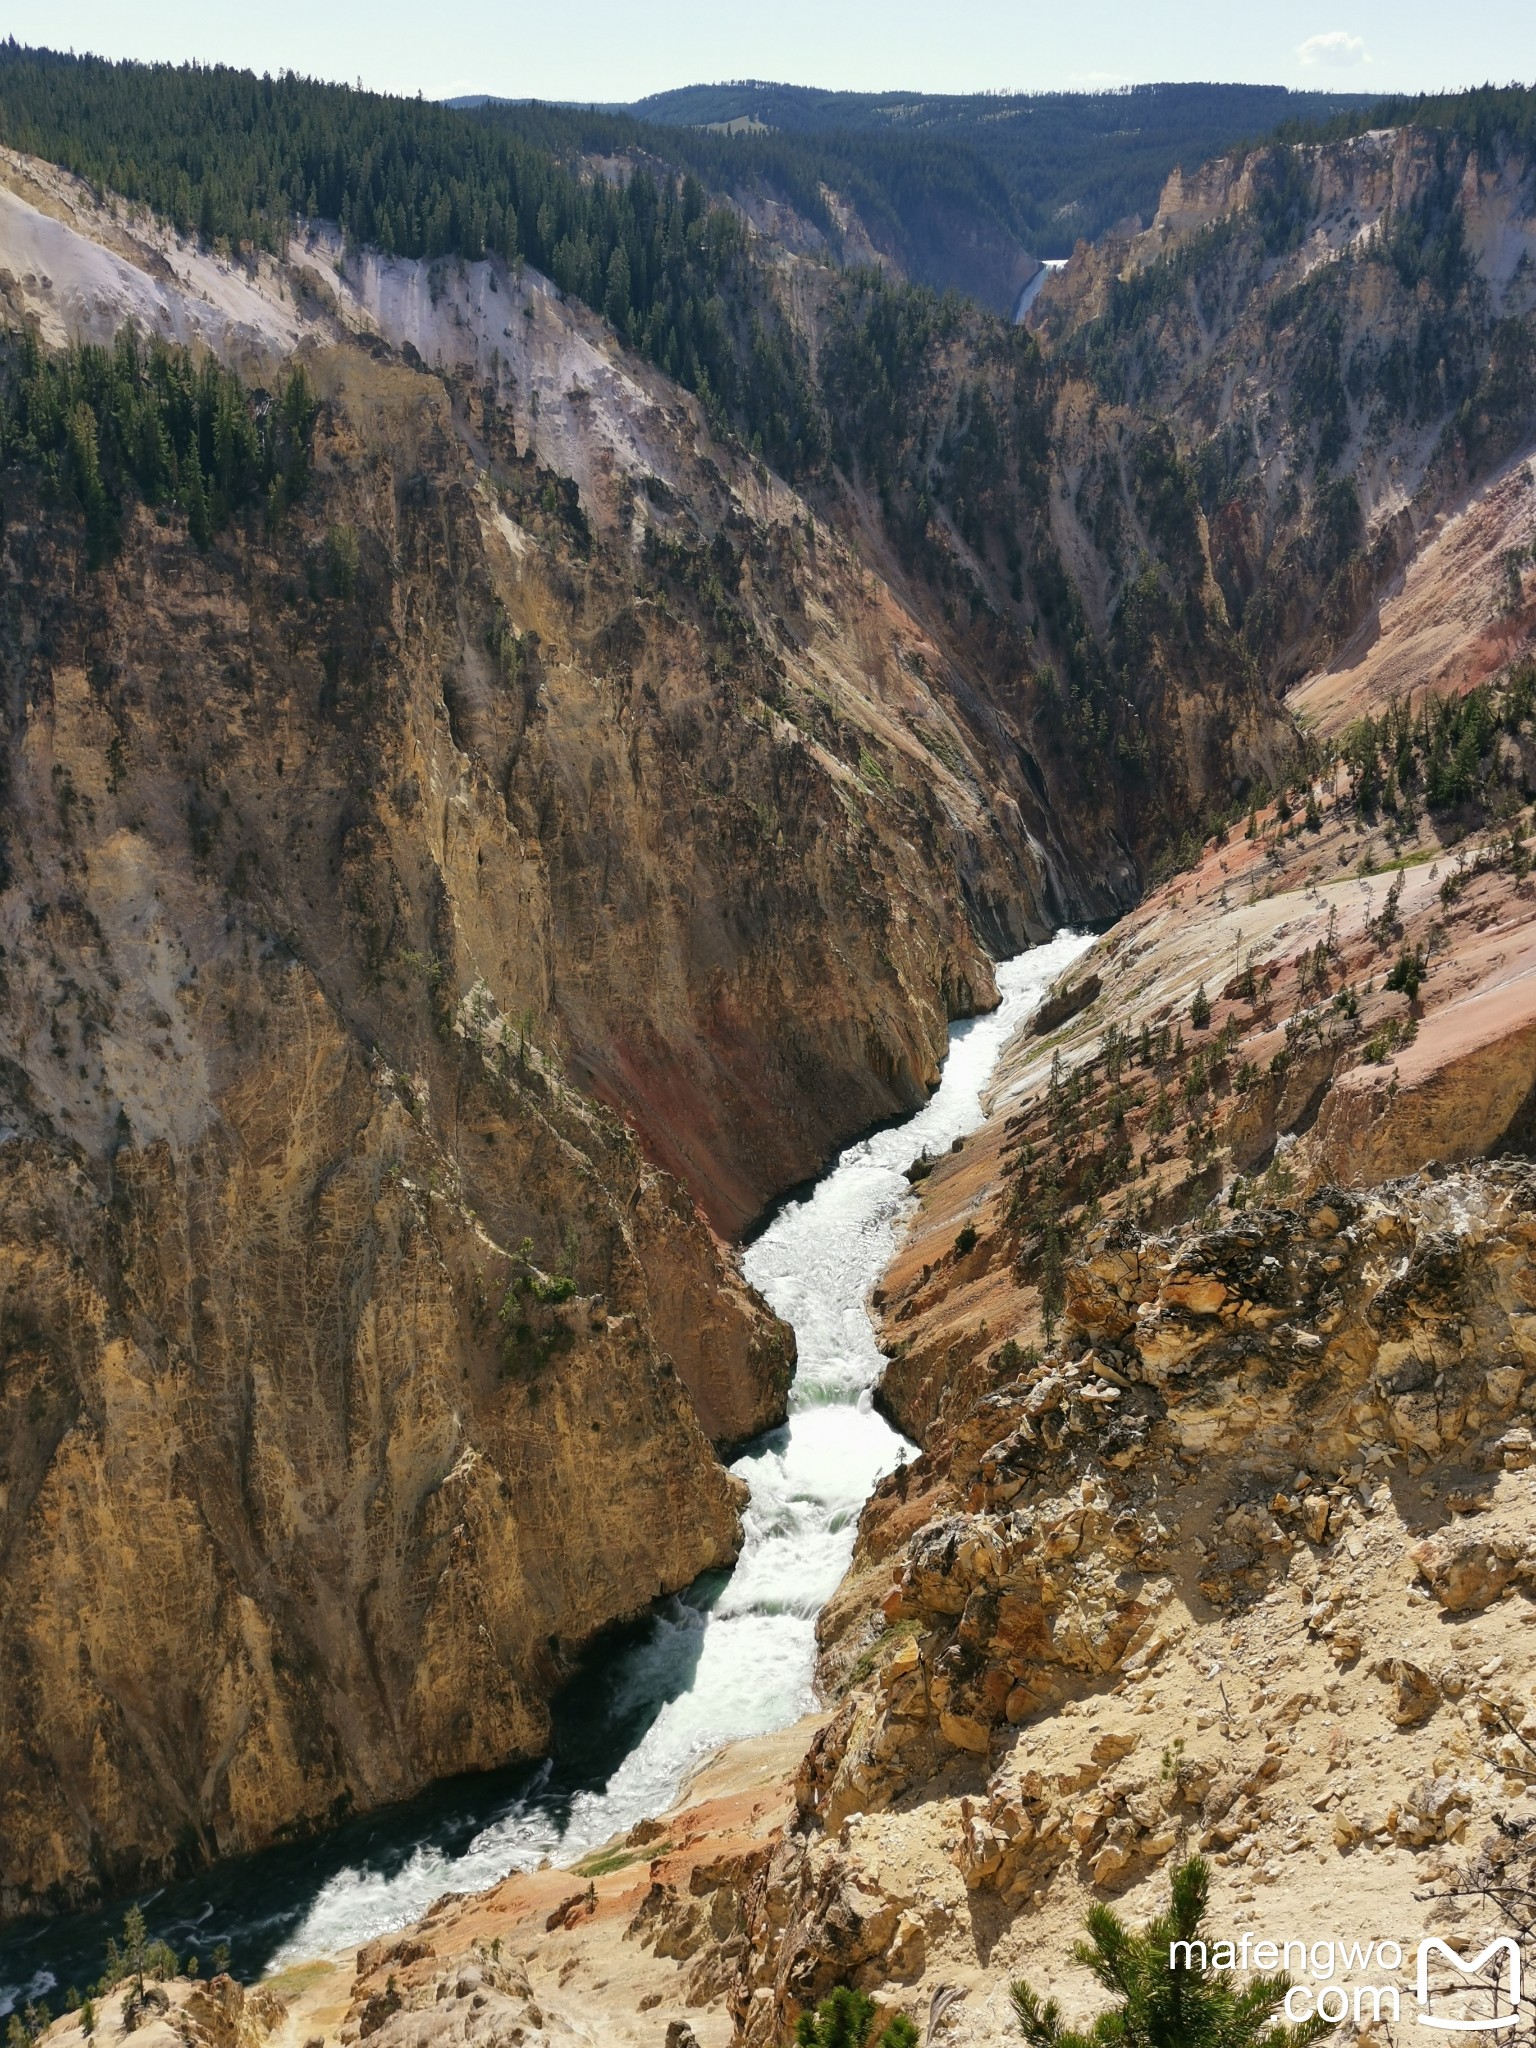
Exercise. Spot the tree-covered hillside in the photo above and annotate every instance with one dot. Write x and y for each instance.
(931, 203)
(240, 160)
(1071, 164)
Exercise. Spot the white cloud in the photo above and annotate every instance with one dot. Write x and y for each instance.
(1337, 49)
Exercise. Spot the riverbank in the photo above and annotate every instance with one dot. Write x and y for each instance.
(550, 1954)
(733, 1659)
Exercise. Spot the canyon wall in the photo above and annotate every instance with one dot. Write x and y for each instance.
(428, 920)
(436, 919)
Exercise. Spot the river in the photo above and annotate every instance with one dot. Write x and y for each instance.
(731, 1657)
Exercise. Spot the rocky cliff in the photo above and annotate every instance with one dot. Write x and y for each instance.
(1235, 1568)
(422, 919)
(1337, 339)
(326, 1297)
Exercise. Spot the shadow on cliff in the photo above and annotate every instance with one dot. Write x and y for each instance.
(256, 1904)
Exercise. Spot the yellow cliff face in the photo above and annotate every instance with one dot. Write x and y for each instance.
(286, 1540)
(381, 904)
(308, 1496)
(433, 926)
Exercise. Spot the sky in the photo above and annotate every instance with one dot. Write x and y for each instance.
(624, 49)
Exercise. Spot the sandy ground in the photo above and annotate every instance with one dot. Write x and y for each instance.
(608, 1987)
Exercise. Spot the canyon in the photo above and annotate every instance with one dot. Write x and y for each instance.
(439, 924)
(426, 928)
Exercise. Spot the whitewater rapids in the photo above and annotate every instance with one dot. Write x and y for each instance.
(735, 1658)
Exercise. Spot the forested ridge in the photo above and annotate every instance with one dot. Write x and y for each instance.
(943, 413)
(902, 187)
(240, 160)
(956, 190)
(1064, 165)
(1488, 117)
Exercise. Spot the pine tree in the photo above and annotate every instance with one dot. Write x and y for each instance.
(85, 475)
(1053, 1275)
(843, 2020)
(616, 301)
(1167, 2000)
(135, 1945)
(194, 499)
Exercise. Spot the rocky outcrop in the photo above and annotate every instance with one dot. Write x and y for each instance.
(176, 2012)
(1063, 1004)
(483, 2000)
(1265, 1024)
(1228, 1415)
(1284, 1342)
(359, 1366)
(636, 1946)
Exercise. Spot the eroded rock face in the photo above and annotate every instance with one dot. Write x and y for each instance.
(1237, 354)
(1223, 1404)
(359, 1366)
(286, 1535)
(177, 2012)
(1359, 1329)
(481, 2000)
(1130, 1109)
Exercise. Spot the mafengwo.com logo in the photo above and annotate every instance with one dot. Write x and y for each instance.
(1497, 1969)
(1368, 1982)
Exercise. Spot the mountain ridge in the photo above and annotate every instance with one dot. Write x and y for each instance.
(589, 826)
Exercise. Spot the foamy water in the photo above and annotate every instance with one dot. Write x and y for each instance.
(733, 1657)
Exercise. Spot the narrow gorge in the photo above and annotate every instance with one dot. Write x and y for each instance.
(767, 1056)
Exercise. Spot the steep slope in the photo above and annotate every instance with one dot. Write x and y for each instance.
(932, 211)
(1338, 337)
(1462, 608)
(1241, 1568)
(1219, 1537)
(359, 1366)
(1107, 648)
(1074, 165)
(297, 1433)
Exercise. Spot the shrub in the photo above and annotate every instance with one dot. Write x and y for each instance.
(341, 559)
(1407, 975)
(965, 1240)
